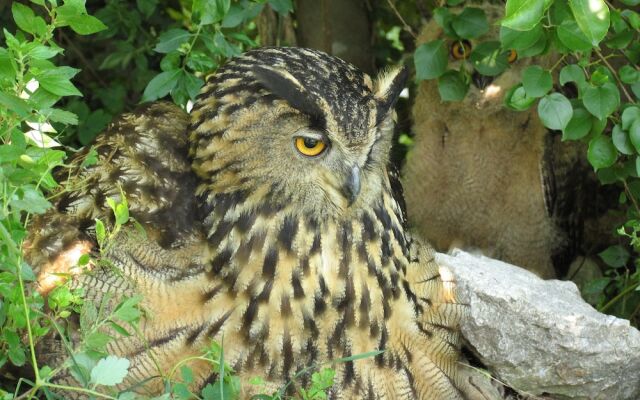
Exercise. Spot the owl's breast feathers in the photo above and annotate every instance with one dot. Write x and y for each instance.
(279, 289)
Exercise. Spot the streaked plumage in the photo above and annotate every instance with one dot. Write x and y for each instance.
(287, 260)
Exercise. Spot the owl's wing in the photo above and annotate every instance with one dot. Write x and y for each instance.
(565, 177)
(143, 155)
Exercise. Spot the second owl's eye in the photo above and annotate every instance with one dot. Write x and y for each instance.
(461, 49)
(310, 147)
(512, 56)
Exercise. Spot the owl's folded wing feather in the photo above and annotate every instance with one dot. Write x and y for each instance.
(142, 155)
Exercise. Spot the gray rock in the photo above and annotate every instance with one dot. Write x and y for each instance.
(540, 337)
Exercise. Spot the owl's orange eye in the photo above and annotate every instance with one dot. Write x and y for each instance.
(512, 56)
(461, 49)
(309, 146)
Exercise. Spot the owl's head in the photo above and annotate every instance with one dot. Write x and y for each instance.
(492, 70)
(295, 129)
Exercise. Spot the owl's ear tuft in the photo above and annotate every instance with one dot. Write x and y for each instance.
(388, 86)
(287, 87)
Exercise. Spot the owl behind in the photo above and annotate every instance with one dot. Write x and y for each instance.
(483, 177)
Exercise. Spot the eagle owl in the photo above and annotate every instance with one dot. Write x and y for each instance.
(271, 227)
(487, 178)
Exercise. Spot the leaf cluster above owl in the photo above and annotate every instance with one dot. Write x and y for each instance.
(271, 226)
(481, 175)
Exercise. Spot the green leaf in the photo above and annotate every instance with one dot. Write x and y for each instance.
(110, 371)
(621, 141)
(601, 153)
(600, 76)
(62, 116)
(592, 17)
(620, 40)
(210, 11)
(629, 74)
(281, 6)
(430, 60)
(15, 104)
(30, 200)
(84, 259)
(523, 15)
(443, 17)
(234, 17)
(579, 125)
(57, 81)
(161, 85)
(601, 101)
(120, 329)
(147, 7)
(128, 310)
(86, 24)
(615, 256)
(572, 73)
(519, 40)
(470, 23)
(633, 17)
(217, 391)
(122, 214)
(452, 86)
(536, 81)
(171, 40)
(629, 116)
(489, 59)
(634, 135)
(16, 352)
(26, 19)
(192, 84)
(187, 374)
(571, 36)
(101, 232)
(41, 52)
(555, 111)
(97, 340)
(516, 99)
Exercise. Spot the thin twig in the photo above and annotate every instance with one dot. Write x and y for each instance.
(615, 75)
(630, 195)
(406, 26)
(83, 59)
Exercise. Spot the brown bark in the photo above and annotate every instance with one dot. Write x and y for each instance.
(339, 27)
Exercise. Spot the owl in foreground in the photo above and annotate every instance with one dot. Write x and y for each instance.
(483, 177)
(271, 226)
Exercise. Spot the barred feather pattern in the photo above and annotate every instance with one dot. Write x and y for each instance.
(284, 279)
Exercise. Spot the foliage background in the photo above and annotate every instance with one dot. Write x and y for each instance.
(94, 61)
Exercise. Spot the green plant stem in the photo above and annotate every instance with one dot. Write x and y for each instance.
(77, 389)
(18, 257)
(557, 63)
(619, 296)
(193, 42)
(615, 75)
(186, 360)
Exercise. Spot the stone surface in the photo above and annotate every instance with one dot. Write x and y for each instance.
(540, 337)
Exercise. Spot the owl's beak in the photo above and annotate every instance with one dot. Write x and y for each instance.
(351, 188)
(481, 81)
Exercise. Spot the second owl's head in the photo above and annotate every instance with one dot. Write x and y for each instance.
(293, 127)
(489, 68)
